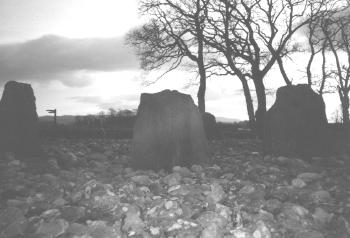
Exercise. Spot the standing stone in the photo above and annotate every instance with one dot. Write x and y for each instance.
(210, 126)
(296, 125)
(18, 120)
(168, 132)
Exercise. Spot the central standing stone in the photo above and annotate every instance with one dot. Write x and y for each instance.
(168, 131)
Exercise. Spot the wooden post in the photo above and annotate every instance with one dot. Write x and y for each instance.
(54, 111)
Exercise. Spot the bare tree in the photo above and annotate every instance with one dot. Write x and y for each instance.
(330, 33)
(336, 30)
(318, 44)
(314, 40)
(253, 35)
(173, 36)
(218, 35)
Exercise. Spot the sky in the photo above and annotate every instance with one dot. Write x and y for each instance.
(73, 53)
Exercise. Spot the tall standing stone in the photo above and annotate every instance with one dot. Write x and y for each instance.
(168, 131)
(18, 120)
(296, 124)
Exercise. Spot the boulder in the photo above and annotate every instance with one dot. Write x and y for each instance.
(210, 127)
(168, 131)
(296, 124)
(18, 120)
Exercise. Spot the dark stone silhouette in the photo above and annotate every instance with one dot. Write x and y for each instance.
(296, 125)
(210, 127)
(18, 120)
(168, 132)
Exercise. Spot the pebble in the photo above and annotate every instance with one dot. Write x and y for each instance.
(209, 217)
(76, 229)
(216, 195)
(141, 180)
(155, 230)
(310, 234)
(319, 197)
(133, 221)
(53, 228)
(321, 216)
(298, 183)
(197, 168)
(183, 171)
(175, 226)
(261, 231)
(212, 231)
(309, 177)
(172, 179)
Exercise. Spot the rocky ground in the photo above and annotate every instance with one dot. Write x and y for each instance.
(87, 191)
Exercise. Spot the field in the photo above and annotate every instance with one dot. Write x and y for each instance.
(86, 189)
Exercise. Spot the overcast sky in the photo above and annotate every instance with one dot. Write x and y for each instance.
(73, 54)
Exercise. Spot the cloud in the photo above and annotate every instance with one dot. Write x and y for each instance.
(87, 99)
(129, 101)
(76, 79)
(336, 16)
(54, 57)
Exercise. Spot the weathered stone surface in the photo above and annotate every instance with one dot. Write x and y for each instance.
(18, 120)
(210, 127)
(296, 125)
(168, 132)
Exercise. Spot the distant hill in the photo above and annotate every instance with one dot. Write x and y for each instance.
(226, 120)
(69, 119)
(65, 119)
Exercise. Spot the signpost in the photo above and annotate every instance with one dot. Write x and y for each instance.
(54, 112)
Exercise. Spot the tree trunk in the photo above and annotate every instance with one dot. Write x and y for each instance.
(344, 98)
(201, 89)
(345, 108)
(324, 73)
(249, 104)
(261, 110)
(200, 59)
(283, 71)
(308, 70)
(311, 59)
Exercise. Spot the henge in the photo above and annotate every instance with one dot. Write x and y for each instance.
(168, 132)
(19, 120)
(296, 124)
